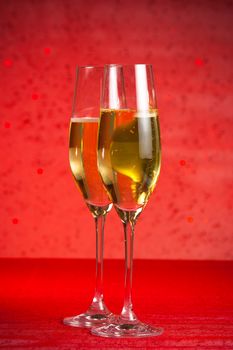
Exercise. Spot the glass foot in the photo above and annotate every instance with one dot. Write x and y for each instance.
(119, 328)
(88, 319)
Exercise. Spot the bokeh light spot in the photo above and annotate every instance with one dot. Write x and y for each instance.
(7, 125)
(35, 96)
(182, 162)
(8, 63)
(190, 219)
(199, 62)
(15, 221)
(40, 171)
(47, 50)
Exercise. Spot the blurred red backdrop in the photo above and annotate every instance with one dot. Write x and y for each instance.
(189, 215)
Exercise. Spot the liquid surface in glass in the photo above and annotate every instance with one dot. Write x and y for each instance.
(129, 155)
(83, 160)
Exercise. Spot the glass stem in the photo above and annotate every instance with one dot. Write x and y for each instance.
(127, 312)
(98, 297)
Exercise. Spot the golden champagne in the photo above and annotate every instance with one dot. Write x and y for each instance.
(83, 161)
(129, 155)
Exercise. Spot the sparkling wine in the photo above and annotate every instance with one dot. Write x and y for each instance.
(83, 161)
(129, 155)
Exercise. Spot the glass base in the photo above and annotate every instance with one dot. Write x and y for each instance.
(119, 328)
(86, 320)
(96, 315)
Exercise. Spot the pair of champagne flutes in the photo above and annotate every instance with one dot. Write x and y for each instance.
(114, 153)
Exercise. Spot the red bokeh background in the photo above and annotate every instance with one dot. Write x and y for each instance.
(189, 216)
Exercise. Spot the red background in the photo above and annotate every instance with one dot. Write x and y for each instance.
(189, 216)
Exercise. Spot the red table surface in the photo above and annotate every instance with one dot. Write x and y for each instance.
(191, 300)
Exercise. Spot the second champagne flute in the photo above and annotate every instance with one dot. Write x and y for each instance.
(129, 155)
(83, 163)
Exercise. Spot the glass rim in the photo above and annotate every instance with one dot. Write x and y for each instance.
(90, 66)
(128, 64)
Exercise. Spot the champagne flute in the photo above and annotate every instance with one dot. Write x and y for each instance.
(129, 155)
(83, 162)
